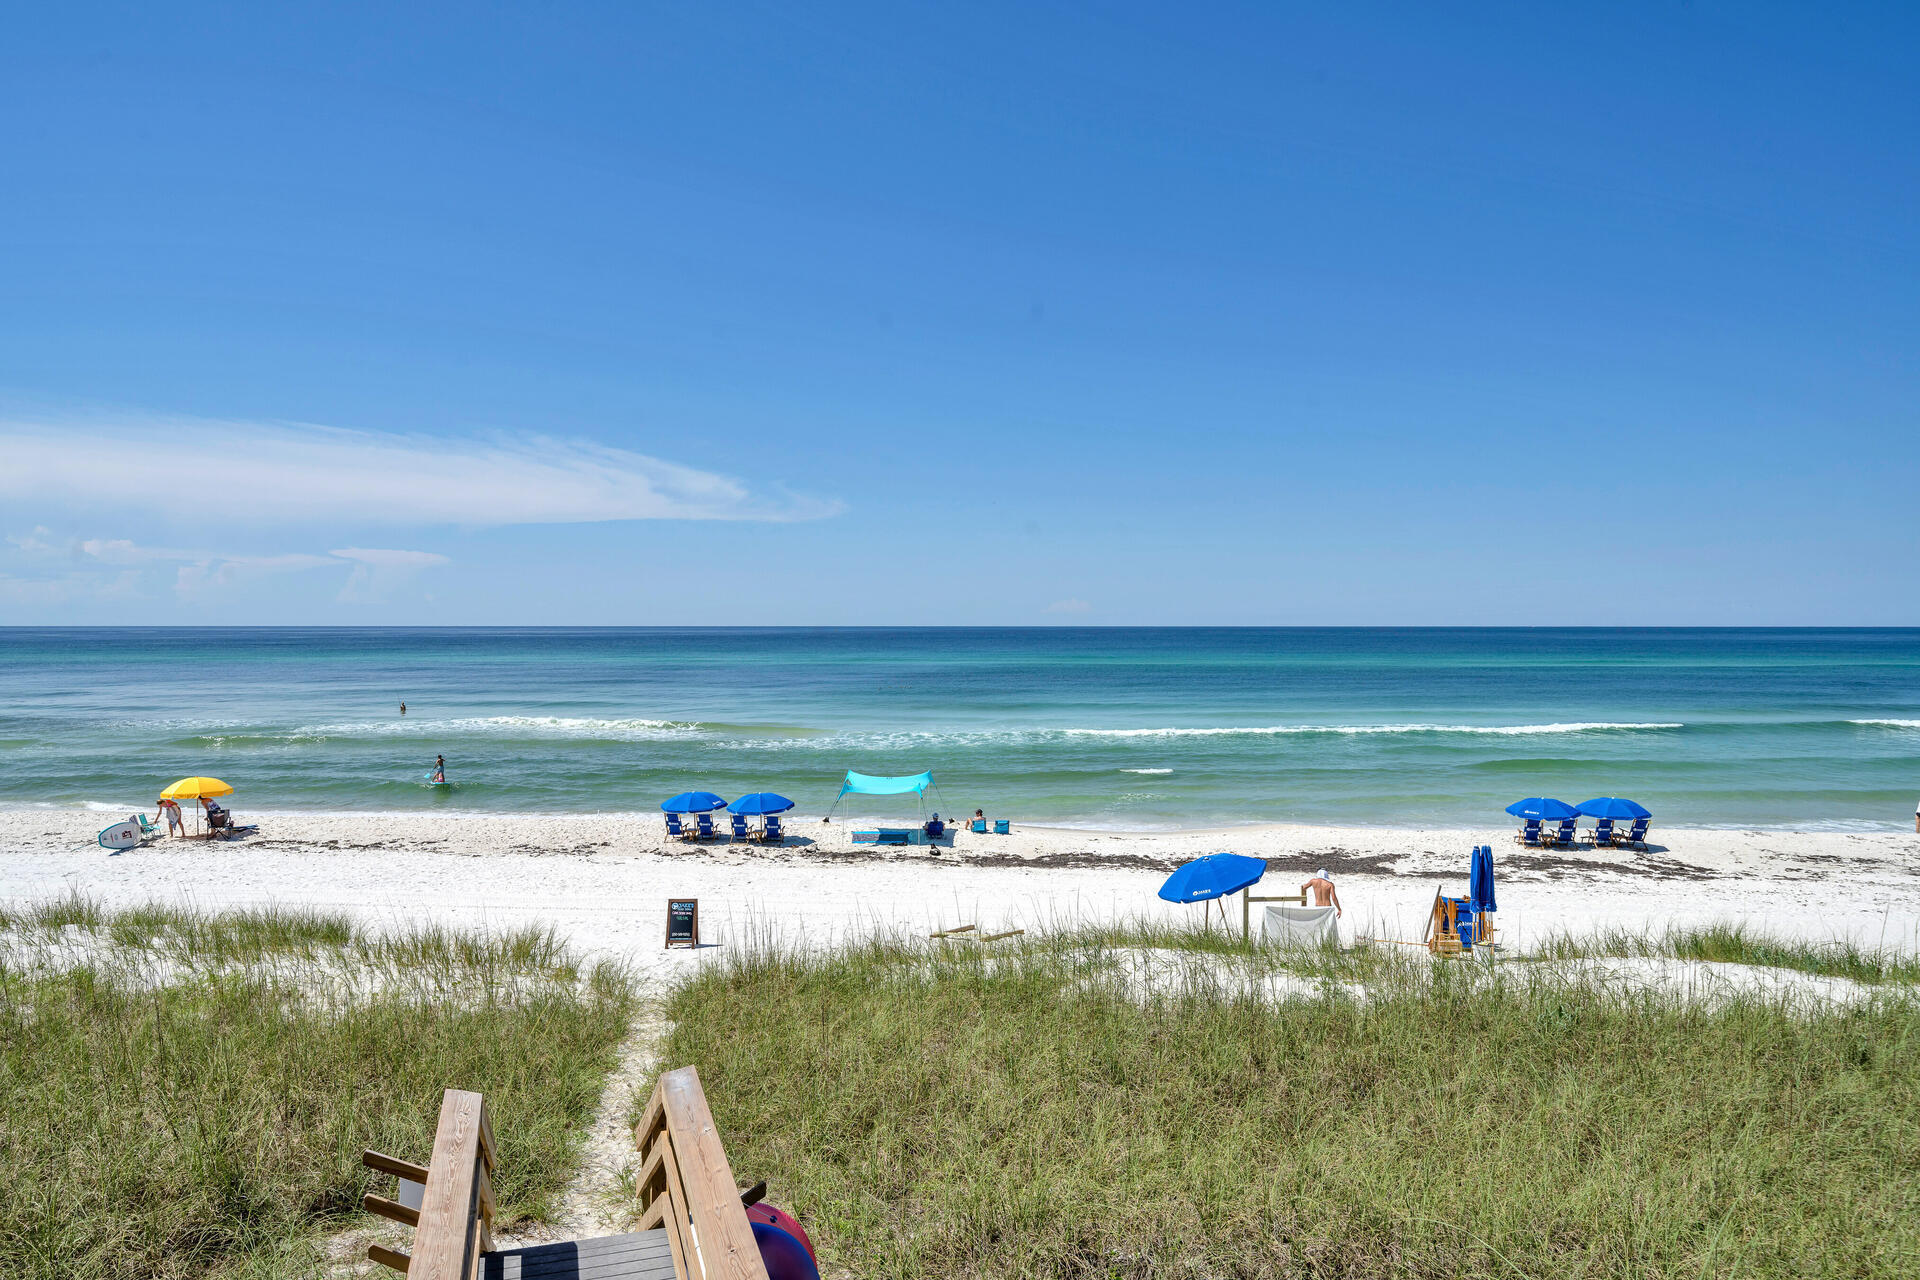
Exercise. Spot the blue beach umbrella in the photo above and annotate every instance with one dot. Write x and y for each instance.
(1542, 808)
(1612, 807)
(760, 802)
(693, 802)
(1480, 879)
(1214, 876)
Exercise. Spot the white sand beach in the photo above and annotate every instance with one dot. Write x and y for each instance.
(604, 880)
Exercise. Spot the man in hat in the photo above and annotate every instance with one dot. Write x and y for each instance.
(1324, 894)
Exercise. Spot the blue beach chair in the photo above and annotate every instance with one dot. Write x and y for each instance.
(674, 828)
(739, 826)
(1635, 835)
(1530, 833)
(1602, 831)
(1564, 836)
(1002, 826)
(978, 825)
(773, 834)
(936, 829)
(706, 831)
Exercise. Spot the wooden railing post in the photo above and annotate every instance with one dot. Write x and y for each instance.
(685, 1181)
(453, 1229)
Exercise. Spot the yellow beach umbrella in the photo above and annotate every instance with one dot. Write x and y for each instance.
(196, 789)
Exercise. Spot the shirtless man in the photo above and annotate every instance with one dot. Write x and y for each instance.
(1324, 894)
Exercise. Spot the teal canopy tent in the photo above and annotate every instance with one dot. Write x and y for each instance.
(867, 784)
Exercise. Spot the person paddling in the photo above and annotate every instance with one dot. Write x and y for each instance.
(440, 769)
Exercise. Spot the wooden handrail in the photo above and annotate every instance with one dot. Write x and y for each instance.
(685, 1184)
(686, 1180)
(448, 1241)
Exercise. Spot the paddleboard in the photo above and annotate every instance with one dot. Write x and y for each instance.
(121, 835)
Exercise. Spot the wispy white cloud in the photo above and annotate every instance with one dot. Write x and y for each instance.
(277, 474)
(373, 572)
(35, 543)
(378, 573)
(121, 551)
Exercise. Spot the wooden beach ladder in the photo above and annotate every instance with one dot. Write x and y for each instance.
(692, 1223)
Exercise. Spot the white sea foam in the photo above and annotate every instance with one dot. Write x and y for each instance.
(1888, 724)
(1146, 771)
(1499, 730)
(627, 728)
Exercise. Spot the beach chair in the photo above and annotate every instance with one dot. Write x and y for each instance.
(978, 825)
(147, 830)
(705, 829)
(1530, 832)
(1002, 826)
(674, 828)
(936, 829)
(773, 834)
(1602, 832)
(1562, 836)
(693, 1222)
(740, 831)
(1636, 835)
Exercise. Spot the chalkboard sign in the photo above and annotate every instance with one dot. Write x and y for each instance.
(683, 922)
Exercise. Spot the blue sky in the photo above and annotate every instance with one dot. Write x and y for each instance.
(1014, 314)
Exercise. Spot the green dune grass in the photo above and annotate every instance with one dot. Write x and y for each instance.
(191, 1097)
(1028, 1113)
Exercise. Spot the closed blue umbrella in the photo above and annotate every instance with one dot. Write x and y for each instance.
(693, 802)
(760, 802)
(1214, 876)
(1480, 879)
(1545, 809)
(1612, 807)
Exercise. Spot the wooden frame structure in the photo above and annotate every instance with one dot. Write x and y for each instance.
(688, 1199)
(1247, 899)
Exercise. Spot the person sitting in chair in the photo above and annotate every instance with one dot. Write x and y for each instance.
(217, 816)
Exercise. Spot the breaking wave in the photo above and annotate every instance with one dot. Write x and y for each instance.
(1497, 730)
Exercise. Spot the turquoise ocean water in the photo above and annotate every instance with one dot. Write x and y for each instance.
(1126, 728)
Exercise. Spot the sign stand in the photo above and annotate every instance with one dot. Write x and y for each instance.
(683, 922)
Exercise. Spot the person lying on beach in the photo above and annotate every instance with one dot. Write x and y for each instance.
(1324, 894)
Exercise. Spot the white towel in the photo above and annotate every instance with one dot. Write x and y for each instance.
(1301, 926)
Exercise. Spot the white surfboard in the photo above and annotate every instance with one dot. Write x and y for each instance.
(121, 835)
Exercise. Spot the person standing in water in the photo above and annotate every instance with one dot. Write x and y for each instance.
(403, 708)
(439, 768)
